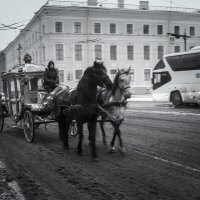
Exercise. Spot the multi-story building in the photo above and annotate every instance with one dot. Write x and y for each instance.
(73, 36)
(2, 67)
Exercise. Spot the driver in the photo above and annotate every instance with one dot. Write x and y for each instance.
(51, 78)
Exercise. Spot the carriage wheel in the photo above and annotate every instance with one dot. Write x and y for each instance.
(29, 130)
(1, 118)
(36, 126)
(73, 130)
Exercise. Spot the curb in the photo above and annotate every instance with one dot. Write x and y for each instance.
(140, 98)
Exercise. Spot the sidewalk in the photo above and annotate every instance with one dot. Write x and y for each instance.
(141, 97)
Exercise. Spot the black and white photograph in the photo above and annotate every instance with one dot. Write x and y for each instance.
(100, 100)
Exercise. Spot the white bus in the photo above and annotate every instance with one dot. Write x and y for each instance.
(176, 78)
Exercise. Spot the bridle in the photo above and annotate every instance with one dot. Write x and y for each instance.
(116, 103)
(96, 77)
(127, 87)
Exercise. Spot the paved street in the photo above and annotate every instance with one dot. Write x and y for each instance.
(162, 160)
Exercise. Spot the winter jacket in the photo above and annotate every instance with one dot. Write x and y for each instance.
(51, 79)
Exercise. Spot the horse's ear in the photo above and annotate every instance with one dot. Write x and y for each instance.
(128, 70)
(118, 70)
(95, 62)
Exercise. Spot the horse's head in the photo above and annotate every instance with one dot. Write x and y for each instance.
(119, 94)
(122, 82)
(100, 75)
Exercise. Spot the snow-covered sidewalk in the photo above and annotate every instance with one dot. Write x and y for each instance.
(141, 97)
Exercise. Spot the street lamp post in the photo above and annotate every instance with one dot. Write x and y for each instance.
(19, 50)
(185, 37)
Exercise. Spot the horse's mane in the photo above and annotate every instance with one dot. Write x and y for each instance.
(115, 82)
(95, 66)
(99, 65)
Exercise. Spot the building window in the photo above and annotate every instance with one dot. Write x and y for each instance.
(146, 52)
(97, 28)
(36, 56)
(177, 30)
(59, 52)
(160, 29)
(147, 73)
(43, 29)
(132, 73)
(192, 31)
(146, 29)
(77, 27)
(130, 52)
(78, 74)
(78, 52)
(113, 52)
(177, 49)
(61, 76)
(113, 72)
(112, 28)
(33, 38)
(98, 52)
(43, 52)
(160, 52)
(33, 57)
(58, 26)
(36, 36)
(129, 28)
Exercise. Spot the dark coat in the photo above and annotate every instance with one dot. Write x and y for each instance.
(51, 79)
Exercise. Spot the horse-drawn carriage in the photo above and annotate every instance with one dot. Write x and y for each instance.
(27, 102)
(24, 98)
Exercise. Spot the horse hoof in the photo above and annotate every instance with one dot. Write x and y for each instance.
(79, 153)
(66, 147)
(113, 149)
(95, 159)
(122, 150)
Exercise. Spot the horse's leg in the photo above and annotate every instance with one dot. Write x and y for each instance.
(113, 139)
(117, 132)
(102, 125)
(60, 127)
(63, 130)
(92, 129)
(80, 135)
(89, 135)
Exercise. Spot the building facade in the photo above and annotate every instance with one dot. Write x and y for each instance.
(74, 36)
(2, 67)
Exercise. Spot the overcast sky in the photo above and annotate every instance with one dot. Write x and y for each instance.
(15, 11)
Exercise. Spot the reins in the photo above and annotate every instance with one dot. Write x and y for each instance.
(114, 104)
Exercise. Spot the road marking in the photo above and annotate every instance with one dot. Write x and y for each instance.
(13, 185)
(2, 166)
(169, 162)
(163, 112)
(16, 190)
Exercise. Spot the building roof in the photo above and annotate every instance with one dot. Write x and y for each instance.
(131, 9)
(28, 67)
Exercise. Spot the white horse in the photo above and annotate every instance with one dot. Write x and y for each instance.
(113, 103)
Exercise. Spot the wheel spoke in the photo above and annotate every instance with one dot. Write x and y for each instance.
(28, 126)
